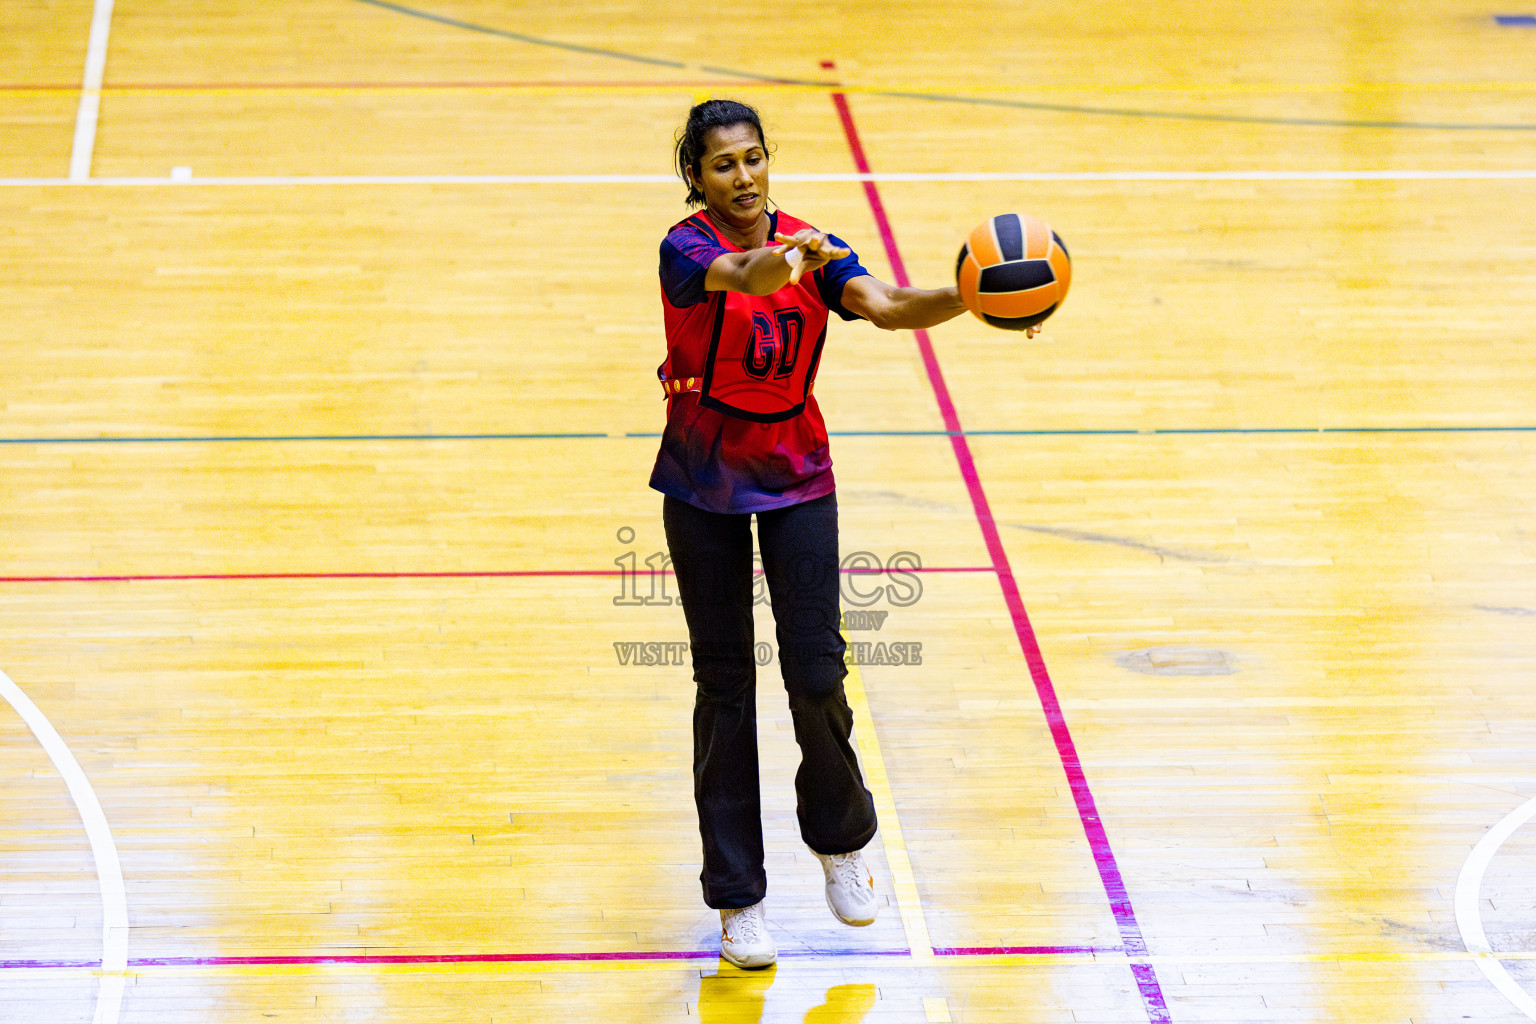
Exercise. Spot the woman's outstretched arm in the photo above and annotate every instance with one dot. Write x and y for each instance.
(900, 309)
(904, 309)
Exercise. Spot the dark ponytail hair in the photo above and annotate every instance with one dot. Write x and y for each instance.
(703, 119)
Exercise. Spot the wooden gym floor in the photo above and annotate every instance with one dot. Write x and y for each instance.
(329, 329)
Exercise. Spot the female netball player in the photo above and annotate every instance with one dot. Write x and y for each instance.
(747, 294)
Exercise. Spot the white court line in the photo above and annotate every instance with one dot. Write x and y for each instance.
(909, 903)
(886, 176)
(109, 871)
(90, 94)
(1469, 917)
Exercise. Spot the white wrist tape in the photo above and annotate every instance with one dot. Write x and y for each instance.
(793, 257)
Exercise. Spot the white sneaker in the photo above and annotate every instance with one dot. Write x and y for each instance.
(744, 938)
(850, 888)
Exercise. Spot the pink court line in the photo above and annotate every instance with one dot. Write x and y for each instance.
(530, 958)
(1087, 810)
(471, 574)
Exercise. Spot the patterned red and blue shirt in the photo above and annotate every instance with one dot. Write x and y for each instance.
(748, 436)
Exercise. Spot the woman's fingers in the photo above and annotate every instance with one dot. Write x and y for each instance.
(815, 244)
(815, 249)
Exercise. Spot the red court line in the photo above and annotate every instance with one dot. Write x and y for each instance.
(1024, 950)
(309, 576)
(468, 574)
(1087, 809)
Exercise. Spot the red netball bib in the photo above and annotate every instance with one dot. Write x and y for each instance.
(763, 352)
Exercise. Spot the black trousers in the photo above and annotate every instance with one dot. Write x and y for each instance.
(712, 557)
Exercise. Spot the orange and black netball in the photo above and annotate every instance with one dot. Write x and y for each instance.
(1013, 271)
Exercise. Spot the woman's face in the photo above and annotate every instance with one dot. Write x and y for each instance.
(733, 175)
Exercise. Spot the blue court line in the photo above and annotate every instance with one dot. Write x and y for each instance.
(1160, 432)
(1059, 108)
(519, 37)
(428, 960)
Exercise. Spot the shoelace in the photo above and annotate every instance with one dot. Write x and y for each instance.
(847, 869)
(745, 927)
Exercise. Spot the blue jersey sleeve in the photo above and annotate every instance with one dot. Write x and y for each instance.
(686, 254)
(831, 278)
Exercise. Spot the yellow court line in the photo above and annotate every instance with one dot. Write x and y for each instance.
(632, 88)
(352, 90)
(908, 900)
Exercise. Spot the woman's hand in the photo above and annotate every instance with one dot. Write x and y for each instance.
(806, 250)
(766, 269)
